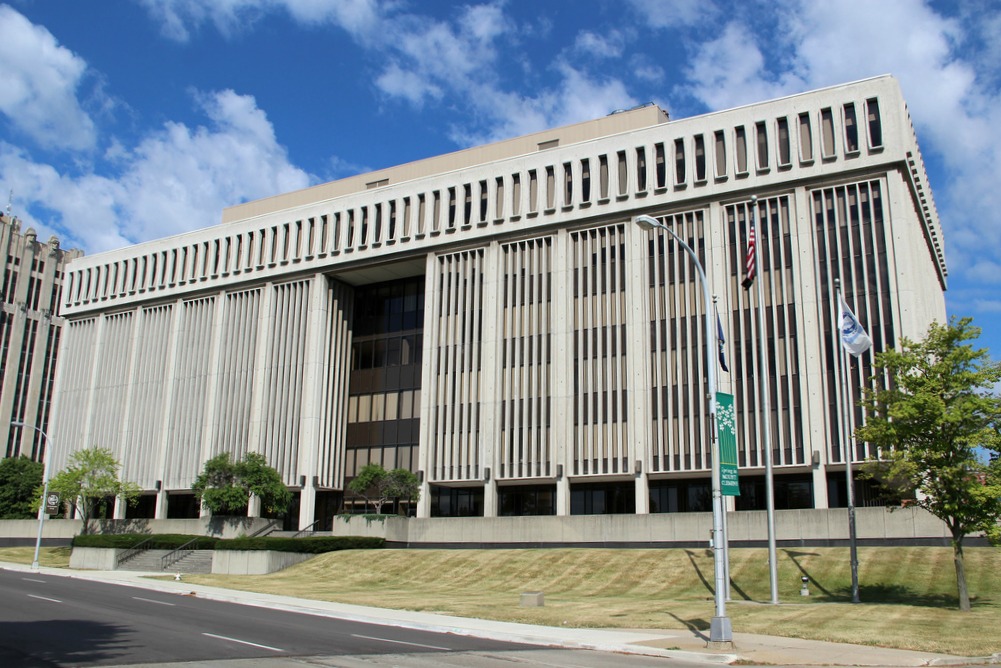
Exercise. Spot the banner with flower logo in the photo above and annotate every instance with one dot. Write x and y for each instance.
(726, 434)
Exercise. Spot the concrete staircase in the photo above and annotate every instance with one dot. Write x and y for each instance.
(197, 561)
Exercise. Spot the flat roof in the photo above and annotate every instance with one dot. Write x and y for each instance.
(614, 123)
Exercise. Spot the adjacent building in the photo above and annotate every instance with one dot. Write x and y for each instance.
(493, 320)
(30, 331)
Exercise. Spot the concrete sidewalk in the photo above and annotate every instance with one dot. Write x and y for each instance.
(680, 644)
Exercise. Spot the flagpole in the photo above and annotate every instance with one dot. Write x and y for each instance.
(726, 534)
(720, 627)
(846, 440)
(766, 417)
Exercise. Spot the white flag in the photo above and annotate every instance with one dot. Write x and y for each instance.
(853, 337)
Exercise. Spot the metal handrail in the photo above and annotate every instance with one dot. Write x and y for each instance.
(307, 530)
(173, 557)
(270, 527)
(132, 552)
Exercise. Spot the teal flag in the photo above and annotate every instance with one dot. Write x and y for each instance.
(727, 435)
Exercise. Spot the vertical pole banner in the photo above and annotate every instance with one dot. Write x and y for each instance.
(727, 435)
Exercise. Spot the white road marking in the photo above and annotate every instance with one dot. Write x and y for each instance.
(54, 600)
(400, 642)
(34, 580)
(149, 600)
(243, 642)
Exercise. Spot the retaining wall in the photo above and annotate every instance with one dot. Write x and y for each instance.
(820, 527)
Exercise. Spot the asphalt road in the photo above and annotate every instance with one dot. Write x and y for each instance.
(56, 621)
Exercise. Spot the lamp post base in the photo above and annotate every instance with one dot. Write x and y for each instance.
(720, 631)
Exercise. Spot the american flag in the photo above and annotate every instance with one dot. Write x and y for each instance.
(749, 260)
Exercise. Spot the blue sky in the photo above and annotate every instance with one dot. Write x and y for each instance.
(132, 120)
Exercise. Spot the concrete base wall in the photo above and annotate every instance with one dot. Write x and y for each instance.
(818, 527)
(94, 558)
(745, 528)
(63, 530)
(254, 562)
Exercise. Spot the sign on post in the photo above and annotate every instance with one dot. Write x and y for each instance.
(727, 437)
(52, 504)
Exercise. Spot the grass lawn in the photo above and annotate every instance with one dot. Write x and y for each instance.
(908, 594)
(55, 557)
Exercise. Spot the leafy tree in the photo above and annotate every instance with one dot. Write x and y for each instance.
(378, 486)
(89, 479)
(934, 415)
(404, 485)
(19, 478)
(225, 486)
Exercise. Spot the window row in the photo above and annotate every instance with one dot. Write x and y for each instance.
(563, 185)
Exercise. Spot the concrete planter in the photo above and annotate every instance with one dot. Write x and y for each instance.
(94, 558)
(254, 562)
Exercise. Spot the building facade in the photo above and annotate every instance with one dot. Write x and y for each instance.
(493, 319)
(30, 333)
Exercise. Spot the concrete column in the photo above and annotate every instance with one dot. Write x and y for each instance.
(430, 357)
(490, 498)
(638, 361)
(562, 368)
(491, 355)
(176, 323)
(563, 496)
(311, 416)
(212, 382)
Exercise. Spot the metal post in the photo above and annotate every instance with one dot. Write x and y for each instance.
(765, 413)
(720, 628)
(45, 489)
(726, 529)
(848, 447)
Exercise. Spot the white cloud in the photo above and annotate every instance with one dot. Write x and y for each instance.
(731, 71)
(412, 87)
(674, 13)
(955, 109)
(593, 45)
(39, 79)
(178, 18)
(576, 97)
(175, 180)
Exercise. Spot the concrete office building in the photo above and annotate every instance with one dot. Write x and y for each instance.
(30, 330)
(493, 320)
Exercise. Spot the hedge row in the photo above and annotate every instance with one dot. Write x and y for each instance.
(312, 545)
(160, 541)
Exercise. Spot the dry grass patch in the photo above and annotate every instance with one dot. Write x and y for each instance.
(908, 593)
(54, 557)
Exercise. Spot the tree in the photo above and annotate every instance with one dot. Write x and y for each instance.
(20, 477)
(224, 486)
(935, 413)
(403, 485)
(88, 481)
(378, 486)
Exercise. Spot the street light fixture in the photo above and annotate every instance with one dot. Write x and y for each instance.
(720, 629)
(45, 488)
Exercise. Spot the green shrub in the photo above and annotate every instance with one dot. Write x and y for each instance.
(313, 545)
(163, 541)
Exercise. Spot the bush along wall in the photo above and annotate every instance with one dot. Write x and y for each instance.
(161, 541)
(313, 545)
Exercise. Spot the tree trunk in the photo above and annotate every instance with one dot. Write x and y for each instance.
(957, 557)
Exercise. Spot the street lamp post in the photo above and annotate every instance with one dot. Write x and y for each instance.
(45, 488)
(720, 629)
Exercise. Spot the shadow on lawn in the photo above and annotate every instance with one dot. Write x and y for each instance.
(903, 595)
(794, 558)
(733, 585)
(696, 626)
